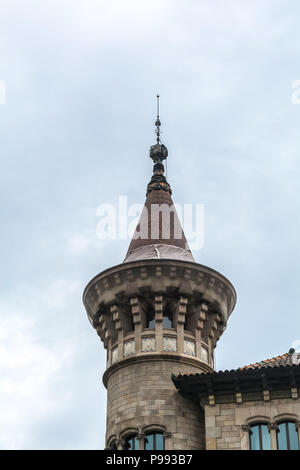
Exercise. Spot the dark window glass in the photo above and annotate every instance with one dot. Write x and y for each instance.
(167, 319)
(150, 321)
(160, 444)
(167, 323)
(287, 436)
(293, 436)
(131, 325)
(149, 442)
(260, 437)
(131, 443)
(154, 441)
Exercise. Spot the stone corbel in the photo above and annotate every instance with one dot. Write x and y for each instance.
(179, 317)
(136, 311)
(211, 325)
(266, 391)
(104, 330)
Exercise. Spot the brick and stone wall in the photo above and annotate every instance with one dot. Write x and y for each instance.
(227, 424)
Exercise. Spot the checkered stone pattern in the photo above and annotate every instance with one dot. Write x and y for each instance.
(114, 355)
(169, 344)
(189, 348)
(129, 348)
(148, 344)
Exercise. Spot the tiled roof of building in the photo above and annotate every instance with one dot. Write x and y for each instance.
(291, 358)
(280, 375)
(287, 359)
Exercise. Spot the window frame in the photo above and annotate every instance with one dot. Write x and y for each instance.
(134, 437)
(287, 434)
(154, 434)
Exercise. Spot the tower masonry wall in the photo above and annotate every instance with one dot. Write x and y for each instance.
(141, 397)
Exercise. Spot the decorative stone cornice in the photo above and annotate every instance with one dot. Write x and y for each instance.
(155, 277)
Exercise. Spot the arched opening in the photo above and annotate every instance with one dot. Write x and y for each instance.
(260, 437)
(131, 442)
(287, 436)
(154, 441)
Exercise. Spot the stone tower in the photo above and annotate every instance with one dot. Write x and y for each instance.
(159, 314)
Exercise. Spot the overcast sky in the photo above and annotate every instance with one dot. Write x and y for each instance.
(80, 80)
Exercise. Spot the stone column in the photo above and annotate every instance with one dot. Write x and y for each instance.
(273, 427)
(199, 328)
(116, 318)
(141, 439)
(158, 309)
(109, 353)
(136, 315)
(180, 319)
(120, 444)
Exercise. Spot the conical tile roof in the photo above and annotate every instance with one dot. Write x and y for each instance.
(159, 232)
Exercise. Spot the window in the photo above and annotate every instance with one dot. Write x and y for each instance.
(150, 320)
(154, 441)
(131, 442)
(167, 321)
(260, 437)
(287, 436)
(168, 315)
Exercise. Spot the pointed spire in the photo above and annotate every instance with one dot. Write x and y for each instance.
(158, 235)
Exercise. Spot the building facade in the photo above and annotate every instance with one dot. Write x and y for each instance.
(159, 315)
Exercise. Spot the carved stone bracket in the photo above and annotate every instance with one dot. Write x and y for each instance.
(272, 427)
(245, 428)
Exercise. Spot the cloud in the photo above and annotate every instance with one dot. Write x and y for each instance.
(38, 372)
(81, 80)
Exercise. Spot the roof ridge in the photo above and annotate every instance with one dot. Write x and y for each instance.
(270, 362)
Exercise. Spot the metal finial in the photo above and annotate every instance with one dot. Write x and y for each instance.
(159, 151)
(157, 123)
